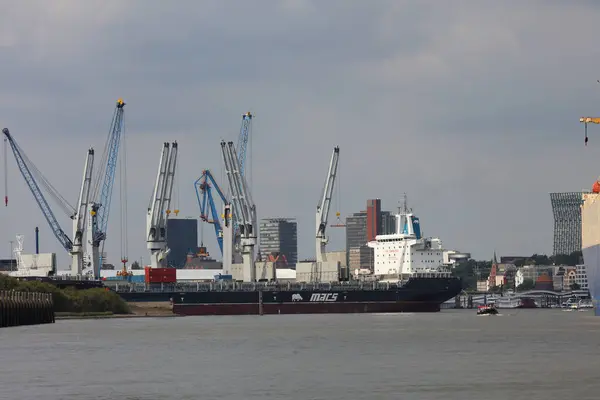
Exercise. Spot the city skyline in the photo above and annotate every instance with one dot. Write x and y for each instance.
(476, 119)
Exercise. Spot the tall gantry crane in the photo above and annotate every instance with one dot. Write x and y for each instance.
(159, 208)
(243, 207)
(99, 208)
(204, 188)
(324, 205)
(75, 245)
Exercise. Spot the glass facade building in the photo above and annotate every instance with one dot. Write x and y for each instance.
(182, 238)
(279, 236)
(566, 208)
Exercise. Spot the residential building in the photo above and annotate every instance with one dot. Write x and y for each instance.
(581, 277)
(566, 208)
(182, 238)
(279, 240)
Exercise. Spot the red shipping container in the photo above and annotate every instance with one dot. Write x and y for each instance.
(160, 275)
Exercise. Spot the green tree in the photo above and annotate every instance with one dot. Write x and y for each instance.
(528, 284)
(135, 265)
(575, 286)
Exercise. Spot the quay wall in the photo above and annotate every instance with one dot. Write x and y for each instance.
(25, 308)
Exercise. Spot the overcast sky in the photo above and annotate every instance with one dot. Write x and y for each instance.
(471, 108)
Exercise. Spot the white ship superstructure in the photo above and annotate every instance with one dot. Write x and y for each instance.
(406, 252)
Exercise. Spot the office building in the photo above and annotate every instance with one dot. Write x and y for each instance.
(566, 208)
(279, 240)
(182, 238)
(363, 227)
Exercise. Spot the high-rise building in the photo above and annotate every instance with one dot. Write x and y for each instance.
(566, 208)
(182, 238)
(279, 237)
(356, 230)
(373, 218)
(388, 223)
(363, 227)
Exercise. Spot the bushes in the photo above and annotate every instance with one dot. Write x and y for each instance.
(71, 300)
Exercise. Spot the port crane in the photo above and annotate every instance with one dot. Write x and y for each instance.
(324, 205)
(204, 188)
(206, 182)
(99, 208)
(242, 146)
(159, 208)
(75, 245)
(243, 207)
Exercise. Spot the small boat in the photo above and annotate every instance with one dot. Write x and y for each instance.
(489, 309)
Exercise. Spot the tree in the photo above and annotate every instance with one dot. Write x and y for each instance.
(575, 286)
(135, 265)
(528, 284)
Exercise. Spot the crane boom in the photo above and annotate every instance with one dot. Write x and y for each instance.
(111, 166)
(61, 236)
(324, 205)
(589, 120)
(158, 211)
(81, 215)
(99, 208)
(243, 141)
(204, 186)
(242, 201)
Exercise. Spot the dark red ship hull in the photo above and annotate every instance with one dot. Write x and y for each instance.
(417, 295)
(304, 308)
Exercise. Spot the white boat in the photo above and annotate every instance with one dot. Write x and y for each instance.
(585, 304)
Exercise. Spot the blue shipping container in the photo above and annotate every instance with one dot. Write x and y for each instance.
(136, 278)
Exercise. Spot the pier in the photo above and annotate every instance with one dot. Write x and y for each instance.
(25, 308)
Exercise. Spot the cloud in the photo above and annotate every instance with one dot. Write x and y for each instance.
(472, 109)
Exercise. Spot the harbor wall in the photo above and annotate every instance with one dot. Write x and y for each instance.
(25, 308)
(590, 244)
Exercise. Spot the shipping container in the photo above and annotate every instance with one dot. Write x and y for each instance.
(160, 275)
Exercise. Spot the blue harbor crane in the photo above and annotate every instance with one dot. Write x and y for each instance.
(100, 207)
(204, 188)
(78, 214)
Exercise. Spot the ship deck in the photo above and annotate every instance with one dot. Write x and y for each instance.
(232, 286)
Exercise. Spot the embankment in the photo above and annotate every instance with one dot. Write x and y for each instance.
(71, 301)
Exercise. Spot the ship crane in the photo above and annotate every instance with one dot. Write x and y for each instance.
(324, 206)
(586, 121)
(243, 207)
(159, 208)
(75, 245)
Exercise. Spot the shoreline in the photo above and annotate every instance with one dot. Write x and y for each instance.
(138, 310)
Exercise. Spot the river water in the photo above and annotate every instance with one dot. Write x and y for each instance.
(454, 354)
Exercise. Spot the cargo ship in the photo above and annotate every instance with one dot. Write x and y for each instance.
(408, 276)
(420, 293)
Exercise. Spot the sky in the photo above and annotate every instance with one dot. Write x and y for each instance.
(471, 108)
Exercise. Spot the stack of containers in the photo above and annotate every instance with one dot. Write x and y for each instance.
(160, 275)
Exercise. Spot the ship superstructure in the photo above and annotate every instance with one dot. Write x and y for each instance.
(404, 253)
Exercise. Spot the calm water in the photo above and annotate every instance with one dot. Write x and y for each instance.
(527, 354)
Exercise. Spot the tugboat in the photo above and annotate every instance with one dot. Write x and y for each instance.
(489, 309)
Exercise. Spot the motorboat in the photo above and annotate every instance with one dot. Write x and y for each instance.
(488, 309)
